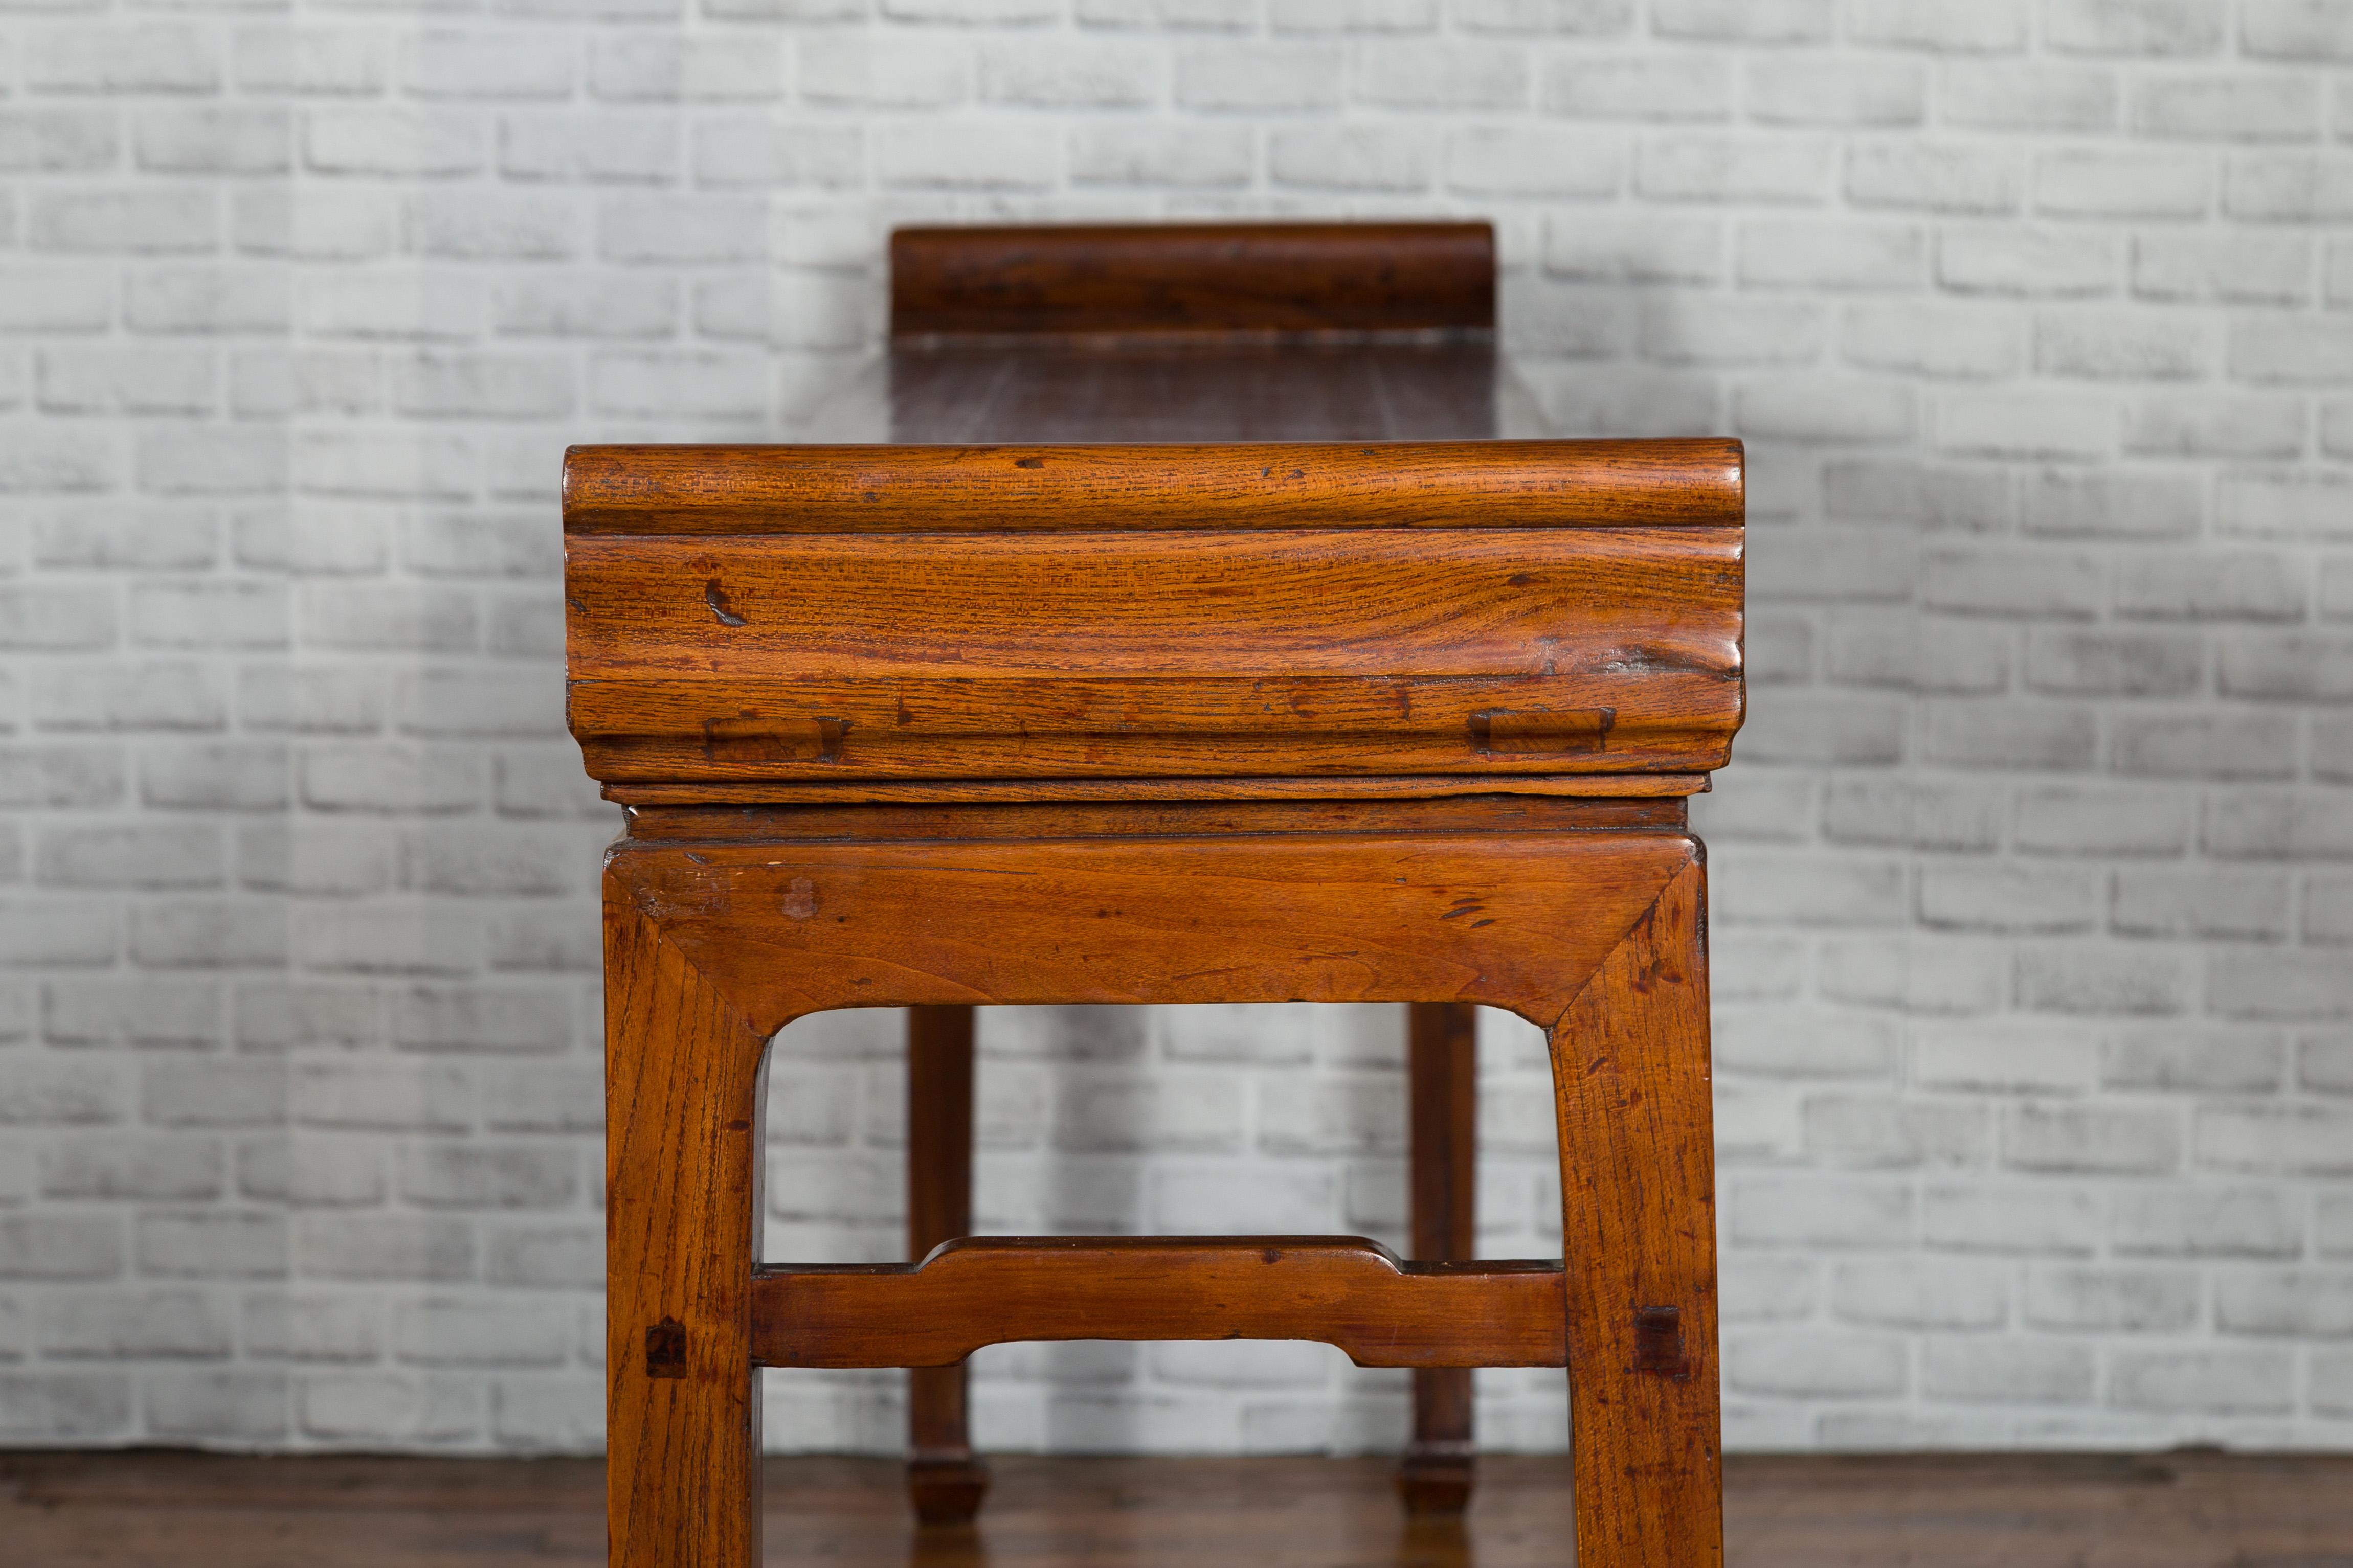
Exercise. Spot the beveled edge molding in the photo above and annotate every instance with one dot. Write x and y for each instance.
(884, 489)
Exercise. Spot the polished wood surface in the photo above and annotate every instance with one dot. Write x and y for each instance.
(2193, 1510)
(1041, 487)
(983, 1291)
(982, 708)
(1190, 278)
(1443, 1178)
(945, 1481)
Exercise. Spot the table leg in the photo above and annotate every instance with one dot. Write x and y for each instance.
(1637, 1160)
(1442, 1096)
(683, 1081)
(945, 1482)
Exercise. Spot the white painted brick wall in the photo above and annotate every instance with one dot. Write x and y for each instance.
(2034, 919)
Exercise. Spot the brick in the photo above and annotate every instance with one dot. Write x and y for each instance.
(2111, 1300)
(475, 1175)
(1708, 166)
(211, 1243)
(1208, 155)
(1635, 248)
(395, 141)
(162, 856)
(2303, 667)
(1819, 1212)
(2195, 1059)
(1963, 499)
(1815, 1363)
(1667, 87)
(2205, 903)
(2100, 821)
(1944, 177)
(1824, 408)
(2212, 746)
(2306, 1303)
(2004, 1055)
(392, 778)
(2021, 1217)
(2077, 1138)
(402, 1097)
(1810, 1044)
(56, 932)
(131, 697)
(2008, 898)
(592, 305)
(314, 1328)
(2297, 30)
(64, 1406)
(2209, 584)
(2155, 27)
(1994, 26)
(1351, 157)
(1369, 17)
(605, 146)
(1781, 888)
(160, 1325)
(234, 776)
(1927, 815)
(56, 140)
(55, 300)
(1916, 655)
(271, 57)
(2015, 425)
(2289, 187)
(311, 1173)
(154, 58)
(734, 66)
(2205, 1222)
(306, 381)
(2208, 424)
(1828, 90)
(2250, 108)
(53, 1246)
(2217, 1381)
(381, 1410)
(2290, 351)
(1834, 256)
(486, 64)
(388, 1247)
(2008, 95)
(2122, 185)
(2116, 664)
(2278, 825)
(546, 1259)
(212, 460)
(59, 462)
(1920, 1293)
(112, 537)
(1747, 21)
(2016, 1371)
(2297, 1140)
(2231, 265)
(1885, 1133)
(2030, 262)
(2100, 346)
(118, 1010)
(2002, 733)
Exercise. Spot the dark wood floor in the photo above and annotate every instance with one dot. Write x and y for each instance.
(2173, 1510)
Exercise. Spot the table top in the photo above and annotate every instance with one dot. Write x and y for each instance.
(1142, 391)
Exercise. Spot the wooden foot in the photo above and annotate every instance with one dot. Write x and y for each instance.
(1638, 1190)
(945, 1481)
(1442, 1087)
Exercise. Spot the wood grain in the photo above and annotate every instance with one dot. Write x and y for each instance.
(945, 1480)
(1442, 1122)
(1341, 1290)
(1192, 278)
(1270, 654)
(684, 1101)
(882, 488)
(1638, 1201)
(1515, 920)
(2188, 1509)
